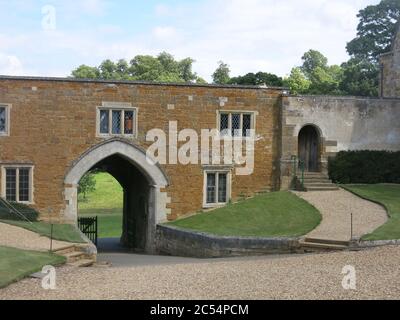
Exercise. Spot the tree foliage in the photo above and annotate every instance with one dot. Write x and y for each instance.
(376, 30)
(222, 73)
(256, 79)
(163, 68)
(87, 184)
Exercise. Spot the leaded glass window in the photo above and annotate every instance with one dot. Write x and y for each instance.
(217, 188)
(11, 184)
(246, 125)
(222, 187)
(3, 119)
(236, 124)
(211, 187)
(24, 184)
(18, 184)
(128, 122)
(116, 122)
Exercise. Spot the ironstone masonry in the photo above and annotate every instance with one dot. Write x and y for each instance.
(54, 130)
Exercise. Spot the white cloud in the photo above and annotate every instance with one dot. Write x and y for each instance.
(10, 65)
(252, 35)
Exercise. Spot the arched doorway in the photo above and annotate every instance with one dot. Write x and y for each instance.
(143, 183)
(309, 148)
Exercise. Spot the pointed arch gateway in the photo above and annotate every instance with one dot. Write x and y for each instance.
(145, 202)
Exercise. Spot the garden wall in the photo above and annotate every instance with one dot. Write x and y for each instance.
(177, 242)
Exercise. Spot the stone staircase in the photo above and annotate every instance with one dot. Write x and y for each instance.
(76, 256)
(310, 245)
(317, 181)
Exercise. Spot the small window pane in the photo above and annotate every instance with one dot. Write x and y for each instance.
(211, 188)
(128, 122)
(11, 184)
(116, 122)
(236, 125)
(2, 119)
(224, 125)
(222, 190)
(104, 121)
(24, 184)
(246, 125)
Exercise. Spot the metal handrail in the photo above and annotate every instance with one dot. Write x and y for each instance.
(13, 209)
(302, 168)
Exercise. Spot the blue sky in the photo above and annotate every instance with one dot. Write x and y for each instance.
(251, 35)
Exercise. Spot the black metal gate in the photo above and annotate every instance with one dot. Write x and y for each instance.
(89, 227)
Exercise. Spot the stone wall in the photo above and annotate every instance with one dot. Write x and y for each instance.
(390, 77)
(53, 122)
(344, 123)
(178, 242)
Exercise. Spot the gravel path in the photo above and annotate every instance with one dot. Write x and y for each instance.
(336, 207)
(295, 277)
(15, 237)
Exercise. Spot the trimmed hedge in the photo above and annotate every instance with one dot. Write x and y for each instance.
(367, 167)
(28, 212)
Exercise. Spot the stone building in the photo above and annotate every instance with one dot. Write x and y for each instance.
(390, 66)
(53, 131)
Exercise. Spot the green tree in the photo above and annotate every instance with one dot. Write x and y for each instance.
(298, 82)
(222, 74)
(260, 78)
(87, 184)
(163, 68)
(376, 30)
(86, 72)
(315, 76)
(360, 78)
(312, 60)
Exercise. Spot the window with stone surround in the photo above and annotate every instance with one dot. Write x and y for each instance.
(216, 188)
(236, 123)
(4, 119)
(17, 183)
(117, 121)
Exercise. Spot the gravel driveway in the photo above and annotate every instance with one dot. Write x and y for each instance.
(295, 277)
(336, 207)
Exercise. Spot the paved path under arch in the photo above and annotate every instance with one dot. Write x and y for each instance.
(336, 208)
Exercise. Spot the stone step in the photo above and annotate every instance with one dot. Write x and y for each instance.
(316, 180)
(319, 184)
(315, 246)
(332, 188)
(83, 263)
(64, 250)
(74, 256)
(327, 241)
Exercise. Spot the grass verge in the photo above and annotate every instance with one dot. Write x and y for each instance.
(388, 195)
(16, 264)
(278, 214)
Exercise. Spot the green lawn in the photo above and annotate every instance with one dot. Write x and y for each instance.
(278, 214)
(388, 196)
(106, 199)
(106, 202)
(62, 232)
(16, 264)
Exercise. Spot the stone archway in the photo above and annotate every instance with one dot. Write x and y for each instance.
(309, 148)
(143, 184)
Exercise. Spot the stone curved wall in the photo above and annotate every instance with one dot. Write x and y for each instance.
(184, 243)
